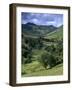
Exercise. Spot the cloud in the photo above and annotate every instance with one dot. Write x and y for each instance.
(50, 23)
(42, 18)
(35, 20)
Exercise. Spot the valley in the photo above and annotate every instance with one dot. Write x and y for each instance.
(42, 50)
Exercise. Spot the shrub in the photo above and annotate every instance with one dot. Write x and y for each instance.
(47, 60)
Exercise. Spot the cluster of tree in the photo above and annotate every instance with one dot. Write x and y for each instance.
(28, 44)
(51, 56)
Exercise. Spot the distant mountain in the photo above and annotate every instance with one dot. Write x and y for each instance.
(29, 23)
(33, 29)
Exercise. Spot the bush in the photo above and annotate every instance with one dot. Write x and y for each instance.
(56, 51)
(47, 60)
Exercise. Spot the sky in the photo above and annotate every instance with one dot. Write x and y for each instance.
(42, 18)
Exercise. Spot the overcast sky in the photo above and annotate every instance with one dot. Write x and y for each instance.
(42, 18)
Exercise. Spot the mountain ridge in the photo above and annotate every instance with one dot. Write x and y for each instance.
(37, 30)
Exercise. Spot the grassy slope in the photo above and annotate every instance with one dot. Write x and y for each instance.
(36, 69)
(56, 34)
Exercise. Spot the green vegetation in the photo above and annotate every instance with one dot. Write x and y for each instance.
(36, 69)
(57, 34)
(37, 30)
(42, 54)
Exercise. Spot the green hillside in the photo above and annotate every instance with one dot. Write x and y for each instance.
(37, 30)
(58, 34)
(42, 53)
(36, 69)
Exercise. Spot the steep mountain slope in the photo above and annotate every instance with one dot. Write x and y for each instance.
(58, 33)
(37, 30)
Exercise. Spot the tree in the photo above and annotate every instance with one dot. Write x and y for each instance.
(39, 43)
(50, 48)
(47, 60)
(59, 52)
(56, 51)
(26, 54)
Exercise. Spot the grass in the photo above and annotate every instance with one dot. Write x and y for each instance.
(55, 34)
(36, 69)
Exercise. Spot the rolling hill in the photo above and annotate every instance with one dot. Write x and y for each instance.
(58, 33)
(37, 30)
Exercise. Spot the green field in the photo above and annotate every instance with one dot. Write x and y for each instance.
(36, 69)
